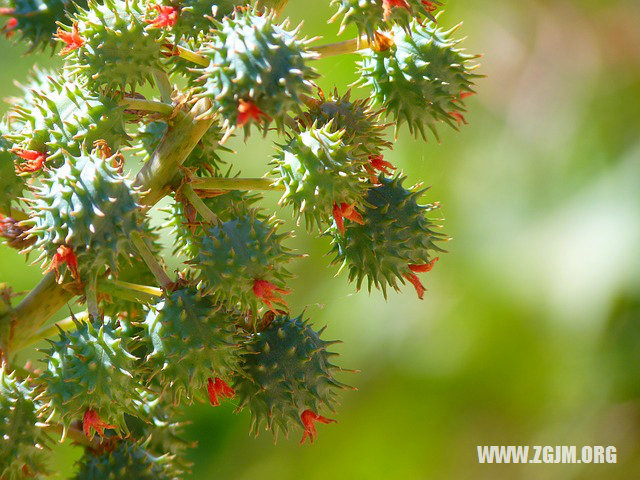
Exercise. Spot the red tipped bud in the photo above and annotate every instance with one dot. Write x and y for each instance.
(166, 18)
(266, 291)
(9, 27)
(65, 255)
(308, 418)
(91, 420)
(33, 160)
(344, 210)
(377, 163)
(72, 39)
(249, 111)
(219, 388)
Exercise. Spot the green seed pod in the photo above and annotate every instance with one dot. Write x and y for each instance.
(11, 185)
(257, 70)
(394, 235)
(318, 172)
(88, 206)
(284, 372)
(187, 235)
(362, 128)
(235, 255)
(370, 16)
(192, 338)
(57, 115)
(37, 20)
(128, 460)
(421, 79)
(193, 22)
(204, 159)
(22, 439)
(116, 49)
(90, 368)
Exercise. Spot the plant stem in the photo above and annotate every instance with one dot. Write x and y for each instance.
(164, 86)
(147, 105)
(130, 291)
(204, 211)
(340, 48)
(189, 55)
(149, 258)
(50, 331)
(213, 183)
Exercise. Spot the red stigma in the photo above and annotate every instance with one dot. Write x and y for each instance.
(458, 117)
(166, 18)
(9, 27)
(72, 39)
(464, 95)
(308, 418)
(424, 267)
(266, 291)
(413, 278)
(387, 5)
(219, 388)
(429, 6)
(344, 210)
(34, 160)
(377, 163)
(91, 420)
(249, 111)
(65, 255)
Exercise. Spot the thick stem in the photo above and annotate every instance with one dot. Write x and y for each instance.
(340, 48)
(215, 183)
(149, 258)
(155, 177)
(147, 105)
(204, 211)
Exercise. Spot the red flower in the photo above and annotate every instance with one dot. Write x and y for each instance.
(308, 418)
(249, 111)
(9, 27)
(413, 278)
(72, 39)
(219, 388)
(344, 210)
(34, 160)
(65, 255)
(387, 5)
(167, 16)
(377, 163)
(91, 420)
(266, 291)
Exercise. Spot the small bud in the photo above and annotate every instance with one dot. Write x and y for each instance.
(16, 236)
(9, 27)
(65, 255)
(72, 39)
(308, 418)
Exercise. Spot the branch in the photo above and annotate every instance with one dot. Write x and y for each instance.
(340, 48)
(150, 259)
(147, 105)
(204, 211)
(214, 183)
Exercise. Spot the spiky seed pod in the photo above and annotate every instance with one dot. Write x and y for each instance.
(11, 185)
(187, 235)
(192, 337)
(193, 21)
(421, 79)
(370, 16)
(88, 206)
(363, 130)
(22, 439)
(236, 254)
(204, 159)
(258, 70)
(318, 172)
(37, 20)
(395, 234)
(57, 115)
(127, 460)
(115, 49)
(90, 368)
(285, 371)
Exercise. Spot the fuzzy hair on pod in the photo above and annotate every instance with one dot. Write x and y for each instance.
(37, 20)
(257, 64)
(370, 16)
(204, 159)
(23, 441)
(363, 130)
(286, 370)
(90, 368)
(116, 50)
(89, 207)
(127, 460)
(233, 255)
(191, 338)
(395, 234)
(56, 115)
(188, 236)
(421, 78)
(319, 171)
(11, 185)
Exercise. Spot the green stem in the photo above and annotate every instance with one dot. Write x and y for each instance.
(149, 258)
(52, 330)
(130, 291)
(147, 105)
(205, 212)
(164, 86)
(340, 48)
(214, 183)
(190, 56)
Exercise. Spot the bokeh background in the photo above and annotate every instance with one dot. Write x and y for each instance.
(530, 330)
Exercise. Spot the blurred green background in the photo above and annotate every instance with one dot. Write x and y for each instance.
(529, 333)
